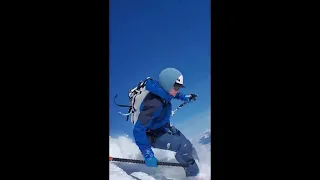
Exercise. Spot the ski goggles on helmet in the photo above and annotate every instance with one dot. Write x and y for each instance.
(177, 86)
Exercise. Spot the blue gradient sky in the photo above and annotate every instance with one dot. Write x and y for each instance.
(147, 36)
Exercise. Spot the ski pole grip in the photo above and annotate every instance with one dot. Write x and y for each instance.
(193, 97)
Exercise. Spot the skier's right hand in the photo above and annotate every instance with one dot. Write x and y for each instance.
(149, 158)
(191, 97)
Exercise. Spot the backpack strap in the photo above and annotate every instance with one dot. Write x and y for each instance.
(114, 100)
(129, 111)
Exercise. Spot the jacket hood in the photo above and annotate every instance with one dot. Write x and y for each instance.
(154, 87)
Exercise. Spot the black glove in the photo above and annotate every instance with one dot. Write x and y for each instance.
(193, 97)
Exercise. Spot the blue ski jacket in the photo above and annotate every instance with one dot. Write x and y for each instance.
(155, 112)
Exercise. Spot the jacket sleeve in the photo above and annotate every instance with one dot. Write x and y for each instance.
(181, 97)
(150, 109)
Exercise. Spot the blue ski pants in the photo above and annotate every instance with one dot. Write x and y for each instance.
(185, 153)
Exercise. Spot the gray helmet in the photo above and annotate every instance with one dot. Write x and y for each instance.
(170, 77)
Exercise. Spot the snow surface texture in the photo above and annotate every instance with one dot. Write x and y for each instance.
(124, 147)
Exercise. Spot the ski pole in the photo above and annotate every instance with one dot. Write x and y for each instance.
(142, 162)
(181, 105)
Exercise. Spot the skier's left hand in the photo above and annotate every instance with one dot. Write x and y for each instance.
(191, 97)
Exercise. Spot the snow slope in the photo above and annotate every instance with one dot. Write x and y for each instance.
(124, 147)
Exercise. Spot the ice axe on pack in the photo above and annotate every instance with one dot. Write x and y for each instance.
(192, 97)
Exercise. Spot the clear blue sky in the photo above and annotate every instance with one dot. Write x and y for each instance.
(147, 36)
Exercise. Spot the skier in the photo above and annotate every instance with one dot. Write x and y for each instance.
(153, 129)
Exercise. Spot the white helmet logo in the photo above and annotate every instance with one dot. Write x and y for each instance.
(180, 80)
